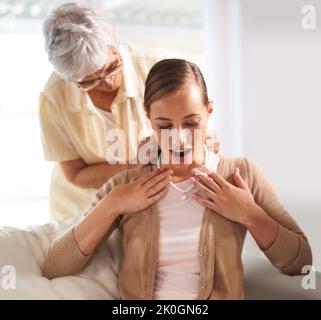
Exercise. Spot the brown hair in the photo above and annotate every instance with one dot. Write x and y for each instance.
(170, 75)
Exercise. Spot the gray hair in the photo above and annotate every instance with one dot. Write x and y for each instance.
(77, 40)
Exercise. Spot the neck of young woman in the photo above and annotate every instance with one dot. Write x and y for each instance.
(181, 172)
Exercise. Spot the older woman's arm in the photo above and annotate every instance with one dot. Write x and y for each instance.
(87, 176)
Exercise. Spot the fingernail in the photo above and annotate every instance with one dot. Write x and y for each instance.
(237, 170)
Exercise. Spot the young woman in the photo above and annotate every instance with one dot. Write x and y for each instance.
(183, 224)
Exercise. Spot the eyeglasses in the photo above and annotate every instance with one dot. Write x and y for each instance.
(113, 69)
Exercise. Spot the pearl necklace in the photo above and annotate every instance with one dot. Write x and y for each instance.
(185, 191)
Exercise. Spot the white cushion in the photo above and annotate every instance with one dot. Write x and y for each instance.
(25, 249)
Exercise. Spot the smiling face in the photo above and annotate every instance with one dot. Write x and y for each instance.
(179, 121)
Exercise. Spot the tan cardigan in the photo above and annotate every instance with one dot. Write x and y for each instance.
(220, 243)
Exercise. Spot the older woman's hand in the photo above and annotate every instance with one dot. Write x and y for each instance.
(235, 203)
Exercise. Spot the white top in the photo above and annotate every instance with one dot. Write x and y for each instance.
(177, 275)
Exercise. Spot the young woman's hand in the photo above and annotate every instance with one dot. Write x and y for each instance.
(235, 203)
(138, 195)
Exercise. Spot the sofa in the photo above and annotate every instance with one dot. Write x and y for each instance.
(23, 251)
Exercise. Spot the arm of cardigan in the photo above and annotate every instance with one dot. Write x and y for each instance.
(289, 252)
(64, 257)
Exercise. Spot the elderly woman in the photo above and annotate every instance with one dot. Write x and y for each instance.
(97, 86)
(183, 224)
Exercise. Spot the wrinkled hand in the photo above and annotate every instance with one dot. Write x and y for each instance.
(235, 203)
(138, 195)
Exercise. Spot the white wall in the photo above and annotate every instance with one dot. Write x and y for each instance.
(275, 73)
